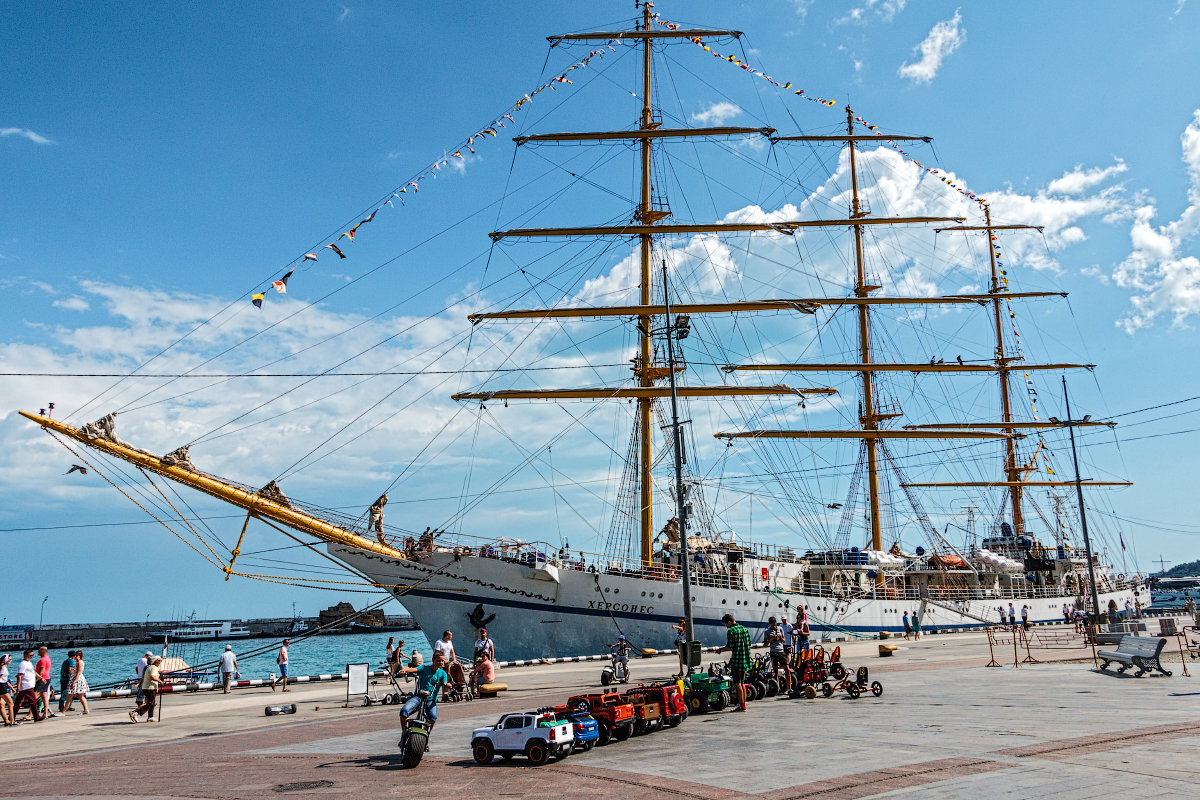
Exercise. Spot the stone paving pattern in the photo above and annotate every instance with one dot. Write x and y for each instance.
(944, 727)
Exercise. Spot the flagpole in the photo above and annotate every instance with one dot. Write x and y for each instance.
(1087, 542)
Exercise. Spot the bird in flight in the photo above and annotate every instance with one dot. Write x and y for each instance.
(76, 468)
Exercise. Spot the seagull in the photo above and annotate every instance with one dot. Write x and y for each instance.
(834, 505)
(960, 361)
(76, 468)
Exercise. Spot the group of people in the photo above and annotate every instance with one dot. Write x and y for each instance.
(32, 686)
(1010, 617)
(912, 626)
(433, 676)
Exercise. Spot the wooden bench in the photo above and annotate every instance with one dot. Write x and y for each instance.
(1137, 651)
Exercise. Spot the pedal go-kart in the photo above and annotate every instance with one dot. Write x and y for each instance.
(854, 686)
(813, 670)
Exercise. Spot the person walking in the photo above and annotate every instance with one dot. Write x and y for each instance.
(737, 642)
(78, 687)
(139, 669)
(484, 646)
(916, 623)
(26, 689)
(151, 681)
(389, 652)
(1012, 616)
(6, 693)
(445, 646)
(229, 668)
(1025, 616)
(281, 661)
(65, 673)
(42, 671)
(907, 627)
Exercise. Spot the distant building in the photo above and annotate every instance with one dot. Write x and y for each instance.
(339, 617)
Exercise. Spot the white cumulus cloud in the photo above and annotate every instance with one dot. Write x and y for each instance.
(717, 113)
(945, 37)
(1166, 277)
(75, 303)
(1080, 180)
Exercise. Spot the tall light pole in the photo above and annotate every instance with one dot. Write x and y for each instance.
(43, 611)
(1070, 424)
(679, 330)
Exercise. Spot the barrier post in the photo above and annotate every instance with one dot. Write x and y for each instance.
(1029, 659)
(991, 634)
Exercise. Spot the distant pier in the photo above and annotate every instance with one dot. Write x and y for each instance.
(99, 634)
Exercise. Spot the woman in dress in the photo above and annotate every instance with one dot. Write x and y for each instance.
(79, 684)
(6, 694)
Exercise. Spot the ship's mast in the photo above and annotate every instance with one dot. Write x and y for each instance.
(868, 419)
(645, 377)
(1012, 471)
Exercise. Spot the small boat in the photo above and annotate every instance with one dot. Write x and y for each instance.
(192, 631)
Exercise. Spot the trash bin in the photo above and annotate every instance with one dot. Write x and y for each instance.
(691, 653)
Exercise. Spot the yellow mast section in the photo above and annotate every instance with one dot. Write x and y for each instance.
(257, 505)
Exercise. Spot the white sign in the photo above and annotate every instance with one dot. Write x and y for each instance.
(356, 679)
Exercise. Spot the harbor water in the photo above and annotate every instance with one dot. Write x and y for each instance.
(105, 666)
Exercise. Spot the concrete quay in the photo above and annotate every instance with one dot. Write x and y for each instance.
(946, 726)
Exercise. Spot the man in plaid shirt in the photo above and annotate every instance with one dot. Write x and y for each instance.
(738, 645)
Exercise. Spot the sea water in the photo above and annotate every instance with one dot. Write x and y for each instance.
(317, 655)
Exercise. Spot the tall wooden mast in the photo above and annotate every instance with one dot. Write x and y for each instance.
(868, 418)
(645, 378)
(647, 223)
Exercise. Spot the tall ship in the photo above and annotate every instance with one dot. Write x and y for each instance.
(846, 358)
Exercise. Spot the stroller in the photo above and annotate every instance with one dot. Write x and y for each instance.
(459, 687)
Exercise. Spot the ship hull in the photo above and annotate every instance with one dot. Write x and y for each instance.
(542, 611)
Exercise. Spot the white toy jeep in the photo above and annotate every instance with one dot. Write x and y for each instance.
(537, 734)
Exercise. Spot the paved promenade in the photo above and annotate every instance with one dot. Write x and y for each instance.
(946, 726)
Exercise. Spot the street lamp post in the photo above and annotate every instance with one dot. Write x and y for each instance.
(42, 613)
(1070, 424)
(679, 330)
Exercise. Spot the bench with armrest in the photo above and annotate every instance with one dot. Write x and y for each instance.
(1136, 651)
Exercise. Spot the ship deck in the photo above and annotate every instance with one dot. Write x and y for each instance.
(944, 727)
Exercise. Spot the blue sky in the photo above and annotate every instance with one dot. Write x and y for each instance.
(158, 167)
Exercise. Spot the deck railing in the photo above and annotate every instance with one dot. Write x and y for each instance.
(540, 553)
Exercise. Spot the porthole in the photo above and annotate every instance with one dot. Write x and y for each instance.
(660, 595)
(643, 594)
(606, 589)
(616, 591)
(722, 601)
